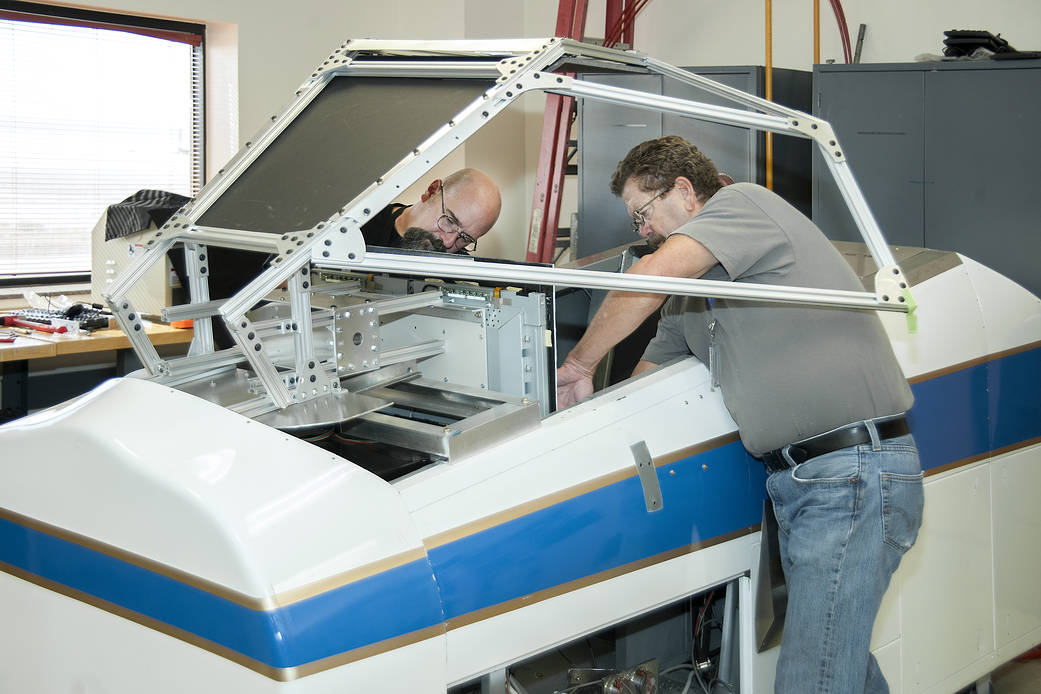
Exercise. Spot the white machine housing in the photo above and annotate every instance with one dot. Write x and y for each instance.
(372, 490)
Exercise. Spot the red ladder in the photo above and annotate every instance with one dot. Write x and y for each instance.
(556, 124)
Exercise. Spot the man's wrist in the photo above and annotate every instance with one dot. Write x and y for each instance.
(575, 365)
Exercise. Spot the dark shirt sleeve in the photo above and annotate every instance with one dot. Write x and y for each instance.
(380, 231)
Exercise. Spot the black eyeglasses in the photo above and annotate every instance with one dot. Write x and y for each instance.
(639, 216)
(450, 225)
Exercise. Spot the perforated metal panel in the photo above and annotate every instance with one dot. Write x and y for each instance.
(354, 131)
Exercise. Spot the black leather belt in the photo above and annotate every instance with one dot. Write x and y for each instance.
(851, 435)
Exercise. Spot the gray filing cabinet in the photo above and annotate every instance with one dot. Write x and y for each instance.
(606, 132)
(946, 154)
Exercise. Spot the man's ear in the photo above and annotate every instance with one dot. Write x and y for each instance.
(687, 194)
(431, 190)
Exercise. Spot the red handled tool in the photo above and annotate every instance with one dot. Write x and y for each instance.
(8, 321)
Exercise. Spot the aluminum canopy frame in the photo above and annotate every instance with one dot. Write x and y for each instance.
(339, 185)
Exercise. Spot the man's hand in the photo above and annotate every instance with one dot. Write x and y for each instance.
(574, 383)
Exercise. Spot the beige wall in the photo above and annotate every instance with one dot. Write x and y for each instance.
(695, 33)
(260, 51)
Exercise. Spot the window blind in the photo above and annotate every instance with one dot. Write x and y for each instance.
(89, 116)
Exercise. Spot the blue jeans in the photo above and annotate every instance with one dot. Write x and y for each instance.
(844, 521)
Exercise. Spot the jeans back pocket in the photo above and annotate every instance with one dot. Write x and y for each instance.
(902, 501)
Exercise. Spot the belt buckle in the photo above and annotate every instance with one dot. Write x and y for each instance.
(796, 454)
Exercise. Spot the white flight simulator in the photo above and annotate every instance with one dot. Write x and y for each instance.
(364, 485)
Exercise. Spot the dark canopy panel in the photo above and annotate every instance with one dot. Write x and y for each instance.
(352, 133)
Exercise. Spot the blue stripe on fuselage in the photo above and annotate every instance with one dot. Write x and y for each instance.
(395, 602)
(704, 496)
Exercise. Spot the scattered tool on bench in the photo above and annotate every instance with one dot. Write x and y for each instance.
(8, 321)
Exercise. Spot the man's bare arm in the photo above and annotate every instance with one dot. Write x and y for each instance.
(643, 365)
(622, 312)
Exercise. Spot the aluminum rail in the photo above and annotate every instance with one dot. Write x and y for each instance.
(446, 47)
(464, 268)
(247, 154)
(792, 123)
(243, 240)
(396, 355)
(202, 309)
(409, 302)
(723, 90)
(337, 288)
(862, 215)
(133, 273)
(203, 363)
(199, 291)
(380, 68)
(671, 104)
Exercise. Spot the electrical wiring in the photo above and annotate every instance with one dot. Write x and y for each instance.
(703, 624)
(317, 437)
(690, 676)
(701, 683)
(840, 19)
(625, 19)
(845, 31)
(698, 625)
(346, 439)
(701, 614)
(690, 680)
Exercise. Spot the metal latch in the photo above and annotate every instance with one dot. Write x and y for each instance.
(648, 476)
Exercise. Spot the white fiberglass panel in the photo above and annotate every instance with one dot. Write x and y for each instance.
(1016, 480)
(193, 486)
(948, 587)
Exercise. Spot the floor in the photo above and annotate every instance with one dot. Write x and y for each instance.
(1018, 677)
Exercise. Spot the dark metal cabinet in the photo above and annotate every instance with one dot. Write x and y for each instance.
(607, 132)
(946, 154)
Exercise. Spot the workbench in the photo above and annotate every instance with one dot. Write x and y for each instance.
(15, 356)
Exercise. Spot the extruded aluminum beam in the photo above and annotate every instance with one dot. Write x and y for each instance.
(466, 268)
(517, 67)
(797, 125)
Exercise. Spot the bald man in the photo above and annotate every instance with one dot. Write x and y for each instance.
(451, 215)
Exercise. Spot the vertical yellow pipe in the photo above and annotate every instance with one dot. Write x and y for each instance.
(769, 92)
(816, 32)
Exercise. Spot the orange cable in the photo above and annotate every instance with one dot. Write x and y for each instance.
(769, 92)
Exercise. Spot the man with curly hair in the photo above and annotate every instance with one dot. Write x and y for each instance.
(817, 395)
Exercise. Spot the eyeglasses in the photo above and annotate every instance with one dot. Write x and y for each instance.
(640, 215)
(450, 225)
